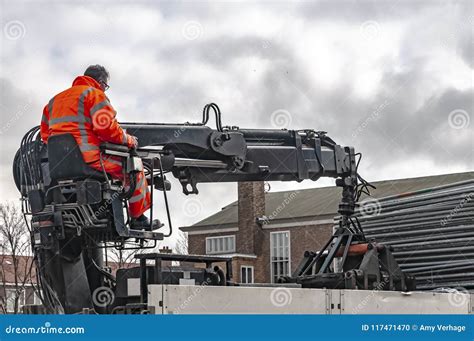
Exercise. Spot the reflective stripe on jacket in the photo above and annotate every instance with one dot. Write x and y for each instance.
(84, 111)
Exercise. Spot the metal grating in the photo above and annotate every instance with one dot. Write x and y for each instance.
(431, 232)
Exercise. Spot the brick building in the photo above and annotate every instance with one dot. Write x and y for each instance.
(17, 283)
(267, 233)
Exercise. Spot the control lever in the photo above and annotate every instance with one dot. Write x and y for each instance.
(161, 184)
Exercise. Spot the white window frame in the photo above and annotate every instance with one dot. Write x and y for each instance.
(220, 250)
(252, 271)
(271, 254)
(36, 298)
(21, 301)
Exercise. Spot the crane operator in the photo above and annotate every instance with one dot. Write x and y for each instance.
(84, 111)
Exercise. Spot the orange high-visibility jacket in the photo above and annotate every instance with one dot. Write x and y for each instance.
(84, 111)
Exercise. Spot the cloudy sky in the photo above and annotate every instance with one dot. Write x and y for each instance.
(392, 78)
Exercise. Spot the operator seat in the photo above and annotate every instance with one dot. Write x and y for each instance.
(66, 162)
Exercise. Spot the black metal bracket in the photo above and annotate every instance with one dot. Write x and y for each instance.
(158, 258)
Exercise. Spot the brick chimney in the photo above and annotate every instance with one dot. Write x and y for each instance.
(165, 249)
(251, 204)
(166, 263)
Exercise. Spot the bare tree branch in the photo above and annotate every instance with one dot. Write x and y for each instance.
(182, 243)
(15, 248)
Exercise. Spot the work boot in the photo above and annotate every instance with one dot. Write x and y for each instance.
(143, 223)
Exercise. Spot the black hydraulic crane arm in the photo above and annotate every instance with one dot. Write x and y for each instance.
(196, 153)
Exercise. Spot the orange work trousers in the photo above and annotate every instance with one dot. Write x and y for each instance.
(141, 199)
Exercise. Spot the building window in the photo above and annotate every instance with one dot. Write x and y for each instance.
(279, 254)
(246, 274)
(10, 298)
(37, 298)
(224, 244)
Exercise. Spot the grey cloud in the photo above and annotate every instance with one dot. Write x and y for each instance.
(400, 133)
(19, 111)
(223, 50)
(387, 128)
(357, 10)
(466, 46)
(401, 128)
(394, 129)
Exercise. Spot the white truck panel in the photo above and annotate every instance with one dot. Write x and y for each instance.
(187, 299)
(392, 302)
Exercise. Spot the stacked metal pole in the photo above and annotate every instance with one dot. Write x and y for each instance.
(431, 232)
